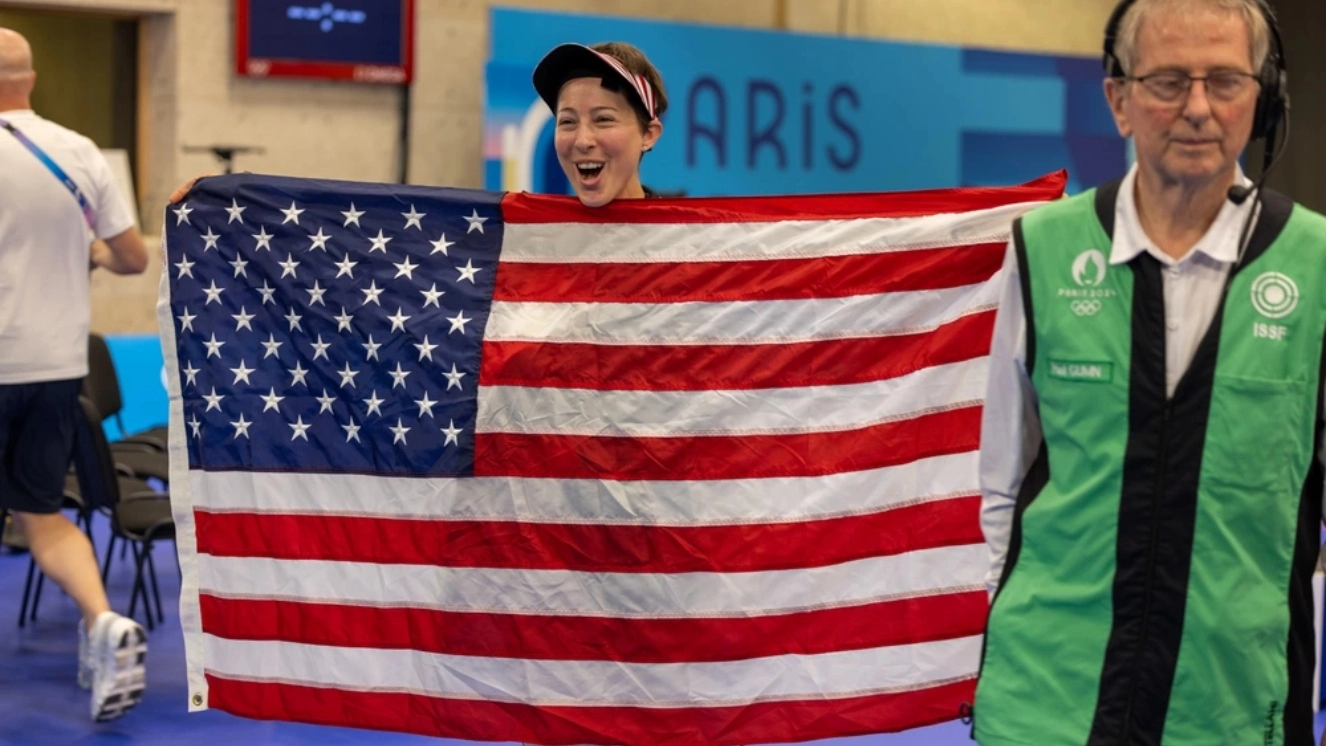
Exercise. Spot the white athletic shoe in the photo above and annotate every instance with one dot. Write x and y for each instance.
(84, 657)
(117, 648)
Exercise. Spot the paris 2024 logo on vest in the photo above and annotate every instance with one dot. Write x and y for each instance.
(1088, 297)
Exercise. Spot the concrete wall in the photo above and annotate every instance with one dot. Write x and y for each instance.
(189, 96)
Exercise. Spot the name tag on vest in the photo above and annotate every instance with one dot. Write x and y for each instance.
(1090, 372)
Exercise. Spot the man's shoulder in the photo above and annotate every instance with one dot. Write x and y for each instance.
(1069, 210)
(50, 134)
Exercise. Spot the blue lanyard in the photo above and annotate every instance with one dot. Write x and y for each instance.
(89, 214)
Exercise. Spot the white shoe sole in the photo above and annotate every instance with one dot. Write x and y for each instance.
(118, 685)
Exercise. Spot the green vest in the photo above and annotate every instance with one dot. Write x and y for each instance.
(1158, 582)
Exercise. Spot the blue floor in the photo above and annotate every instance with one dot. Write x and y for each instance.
(40, 703)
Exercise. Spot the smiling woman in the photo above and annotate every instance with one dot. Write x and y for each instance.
(607, 100)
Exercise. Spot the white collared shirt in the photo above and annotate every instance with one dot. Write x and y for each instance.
(1010, 425)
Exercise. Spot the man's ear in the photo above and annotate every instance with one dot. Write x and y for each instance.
(1116, 91)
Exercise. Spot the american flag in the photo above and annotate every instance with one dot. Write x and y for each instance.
(502, 467)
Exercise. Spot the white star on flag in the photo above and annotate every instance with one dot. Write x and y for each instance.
(271, 401)
(458, 322)
(441, 245)
(196, 426)
(371, 293)
(243, 319)
(476, 222)
(380, 243)
(264, 240)
(399, 432)
(185, 266)
(186, 321)
(239, 265)
(214, 347)
(351, 432)
(213, 400)
(432, 295)
(398, 376)
(267, 293)
(348, 376)
(452, 432)
(213, 293)
(406, 268)
(236, 212)
(182, 214)
(352, 216)
(288, 266)
(413, 218)
(374, 404)
(325, 402)
(343, 321)
(211, 239)
(297, 374)
(241, 426)
(468, 271)
(272, 346)
(347, 267)
(398, 321)
(425, 349)
(320, 348)
(319, 241)
(453, 378)
(292, 214)
(242, 373)
(191, 374)
(315, 294)
(294, 320)
(301, 430)
(372, 348)
(425, 406)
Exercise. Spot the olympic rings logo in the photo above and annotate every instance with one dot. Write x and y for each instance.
(1086, 307)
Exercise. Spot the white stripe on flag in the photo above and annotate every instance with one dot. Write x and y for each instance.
(625, 595)
(739, 322)
(809, 409)
(597, 683)
(590, 501)
(647, 243)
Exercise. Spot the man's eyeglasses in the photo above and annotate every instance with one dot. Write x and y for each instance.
(1171, 86)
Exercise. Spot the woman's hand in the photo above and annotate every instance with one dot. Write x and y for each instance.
(183, 190)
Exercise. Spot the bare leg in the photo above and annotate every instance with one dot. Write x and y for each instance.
(65, 555)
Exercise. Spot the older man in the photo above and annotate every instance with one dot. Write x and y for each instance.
(1150, 456)
(57, 195)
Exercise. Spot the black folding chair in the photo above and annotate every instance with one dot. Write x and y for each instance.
(143, 454)
(140, 517)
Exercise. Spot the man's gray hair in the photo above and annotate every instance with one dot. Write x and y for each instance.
(1125, 47)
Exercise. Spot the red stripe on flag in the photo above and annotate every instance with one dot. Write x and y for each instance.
(591, 547)
(779, 279)
(727, 457)
(479, 720)
(581, 638)
(521, 207)
(717, 367)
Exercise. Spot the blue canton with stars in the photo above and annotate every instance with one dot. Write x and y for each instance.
(331, 326)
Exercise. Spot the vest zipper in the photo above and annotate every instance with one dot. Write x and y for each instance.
(1163, 459)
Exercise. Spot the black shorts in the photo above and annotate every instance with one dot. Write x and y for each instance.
(36, 443)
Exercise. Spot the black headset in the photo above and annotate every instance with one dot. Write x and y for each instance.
(1272, 101)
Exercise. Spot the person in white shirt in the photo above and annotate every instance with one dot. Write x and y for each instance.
(1150, 453)
(60, 213)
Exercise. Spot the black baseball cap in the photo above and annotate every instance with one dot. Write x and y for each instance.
(567, 61)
